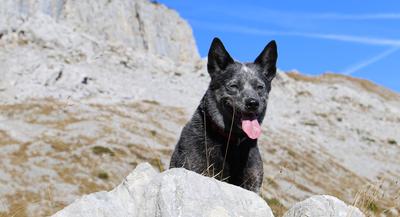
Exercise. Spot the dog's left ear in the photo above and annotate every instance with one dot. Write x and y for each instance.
(267, 60)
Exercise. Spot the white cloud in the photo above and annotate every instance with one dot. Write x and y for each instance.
(337, 16)
(350, 38)
(261, 32)
(261, 13)
(356, 67)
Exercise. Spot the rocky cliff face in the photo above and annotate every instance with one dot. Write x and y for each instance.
(86, 95)
(79, 49)
(143, 26)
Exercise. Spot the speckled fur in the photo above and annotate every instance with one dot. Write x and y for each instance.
(212, 142)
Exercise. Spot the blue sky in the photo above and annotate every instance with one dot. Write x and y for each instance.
(360, 38)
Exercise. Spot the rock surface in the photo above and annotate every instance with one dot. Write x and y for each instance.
(80, 106)
(179, 192)
(323, 206)
(176, 192)
(143, 26)
(76, 52)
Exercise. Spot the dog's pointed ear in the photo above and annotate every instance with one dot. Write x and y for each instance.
(218, 57)
(267, 60)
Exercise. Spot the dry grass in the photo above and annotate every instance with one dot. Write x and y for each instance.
(305, 172)
(5, 139)
(297, 163)
(276, 206)
(338, 78)
(373, 201)
(43, 199)
(156, 162)
(79, 159)
(270, 182)
(35, 106)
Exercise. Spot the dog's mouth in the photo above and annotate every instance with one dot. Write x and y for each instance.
(251, 126)
(249, 123)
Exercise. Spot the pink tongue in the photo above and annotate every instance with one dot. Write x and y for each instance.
(251, 128)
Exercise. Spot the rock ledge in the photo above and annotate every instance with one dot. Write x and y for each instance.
(179, 192)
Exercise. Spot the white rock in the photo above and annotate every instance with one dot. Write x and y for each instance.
(323, 206)
(78, 53)
(140, 24)
(176, 192)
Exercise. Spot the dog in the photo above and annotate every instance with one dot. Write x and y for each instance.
(221, 138)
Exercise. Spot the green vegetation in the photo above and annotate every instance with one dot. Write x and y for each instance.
(368, 139)
(100, 150)
(153, 133)
(372, 207)
(310, 123)
(156, 162)
(277, 207)
(291, 153)
(271, 182)
(103, 175)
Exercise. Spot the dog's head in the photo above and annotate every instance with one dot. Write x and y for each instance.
(241, 90)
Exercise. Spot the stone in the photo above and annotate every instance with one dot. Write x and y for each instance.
(175, 192)
(323, 206)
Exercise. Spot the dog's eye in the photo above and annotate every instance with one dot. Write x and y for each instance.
(260, 87)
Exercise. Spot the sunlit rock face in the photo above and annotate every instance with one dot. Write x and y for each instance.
(176, 192)
(323, 206)
(144, 26)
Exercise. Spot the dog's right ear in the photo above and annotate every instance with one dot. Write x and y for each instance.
(267, 60)
(218, 57)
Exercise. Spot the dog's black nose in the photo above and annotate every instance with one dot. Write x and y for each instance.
(251, 104)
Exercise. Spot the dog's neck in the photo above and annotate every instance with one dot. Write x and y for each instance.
(217, 131)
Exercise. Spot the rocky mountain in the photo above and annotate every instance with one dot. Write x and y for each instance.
(90, 89)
